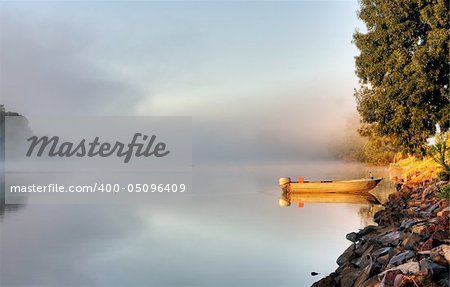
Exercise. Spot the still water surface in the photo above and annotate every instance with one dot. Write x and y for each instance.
(231, 232)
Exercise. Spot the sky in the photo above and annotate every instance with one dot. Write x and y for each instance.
(262, 80)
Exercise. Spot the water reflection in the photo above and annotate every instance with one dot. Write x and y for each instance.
(317, 197)
(231, 232)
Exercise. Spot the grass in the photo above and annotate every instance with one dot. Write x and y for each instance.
(444, 193)
(413, 170)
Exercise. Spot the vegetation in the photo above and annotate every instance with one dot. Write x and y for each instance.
(378, 150)
(414, 170)
(404, 72)
(371, 148)
(440, 153)
(444, 192)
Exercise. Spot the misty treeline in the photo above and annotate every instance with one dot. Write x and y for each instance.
(404, 76)
(24, 126)
(352, 146)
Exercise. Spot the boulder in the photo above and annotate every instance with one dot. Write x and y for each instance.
(384, 260)
(388, 277)
(369, 271)
(408, 268)
(444, 212)
(429, 191)
(382, 251)
(390, 239)
(441, 254)
(435, 270)
(432, 208)
(326, 282)
(353, 236)
(364, 259)
(347, 255)
(418, 229)
(400, 258)
(411, 241)
(407, 223)
(349, 276)
(368, 229)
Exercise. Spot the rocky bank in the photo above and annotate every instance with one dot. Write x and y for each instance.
(409, 246)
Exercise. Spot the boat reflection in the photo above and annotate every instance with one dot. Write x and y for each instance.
(317, 197)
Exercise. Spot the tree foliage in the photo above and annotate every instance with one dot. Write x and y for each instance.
(403, 69)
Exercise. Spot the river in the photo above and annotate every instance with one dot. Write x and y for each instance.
(230, 232)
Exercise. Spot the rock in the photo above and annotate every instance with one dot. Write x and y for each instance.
(390, 239)
(326, 282)
(382, 251)
(439, 237)
(430, 229)
(347, 255)
(432, 208)
(444, 212)
(403, 281)
(368, 229)
(411, 241)
(441, 183)
(423, 266)
(409, 268)
(364, 259)
(362, 246)
(384, 260)
(372, 282)
(400, 258)
(441, 254)
(353, 237)
(388, 277)
(410, 212)
(418, 229)
(368, 272)
(407, 223)
(437, 271)
(429, 190)
(427, 245)
(413, 225)
(415, 203)
(349, 276)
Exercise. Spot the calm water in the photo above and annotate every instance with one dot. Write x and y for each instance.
(231, 232)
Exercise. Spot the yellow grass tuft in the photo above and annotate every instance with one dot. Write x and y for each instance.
(413, 171)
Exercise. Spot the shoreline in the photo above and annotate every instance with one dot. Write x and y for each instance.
(409, 246)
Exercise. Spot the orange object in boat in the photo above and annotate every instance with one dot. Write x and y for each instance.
(301, 204)
(300, 179)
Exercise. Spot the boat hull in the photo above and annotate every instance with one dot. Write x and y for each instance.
(347, 186)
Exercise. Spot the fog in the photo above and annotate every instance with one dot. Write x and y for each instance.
(263, 81)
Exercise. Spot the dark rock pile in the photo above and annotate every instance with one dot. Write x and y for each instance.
(410, 246)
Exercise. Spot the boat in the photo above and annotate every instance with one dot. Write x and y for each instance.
(338, 191)
(355, 185)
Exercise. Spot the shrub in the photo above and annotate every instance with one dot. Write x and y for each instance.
(444, 192)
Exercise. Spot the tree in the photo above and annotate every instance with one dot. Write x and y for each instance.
(403, 69)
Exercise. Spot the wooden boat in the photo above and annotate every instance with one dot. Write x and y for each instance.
(351, 191)
(356, 185)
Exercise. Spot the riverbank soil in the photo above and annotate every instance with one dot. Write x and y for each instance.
(410, 246)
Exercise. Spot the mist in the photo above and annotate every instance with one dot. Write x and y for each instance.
(262, 81)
